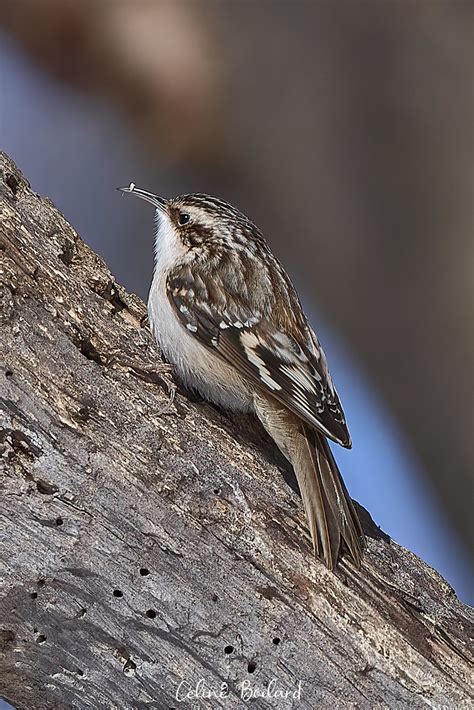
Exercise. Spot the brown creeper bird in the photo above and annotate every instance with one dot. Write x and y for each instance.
(226, 315)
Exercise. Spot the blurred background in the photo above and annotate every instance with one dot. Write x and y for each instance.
(345, 131)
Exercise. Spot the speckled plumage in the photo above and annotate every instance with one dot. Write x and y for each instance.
(227, 316)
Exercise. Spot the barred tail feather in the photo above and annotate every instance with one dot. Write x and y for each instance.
(350, 534)
(332, 519)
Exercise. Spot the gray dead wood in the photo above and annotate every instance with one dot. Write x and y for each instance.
(147, 543)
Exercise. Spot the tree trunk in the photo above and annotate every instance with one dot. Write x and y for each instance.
(150, 544)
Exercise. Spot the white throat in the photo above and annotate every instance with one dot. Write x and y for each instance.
(169, 252)
(196, 365)
(169, 249)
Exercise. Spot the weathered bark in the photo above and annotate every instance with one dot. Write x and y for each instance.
(148, 542)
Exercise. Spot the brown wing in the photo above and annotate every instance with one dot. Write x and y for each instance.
(293, 371)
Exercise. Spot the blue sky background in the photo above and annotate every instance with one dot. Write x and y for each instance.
(44, 126)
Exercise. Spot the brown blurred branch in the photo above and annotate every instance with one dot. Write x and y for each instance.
(152, 59)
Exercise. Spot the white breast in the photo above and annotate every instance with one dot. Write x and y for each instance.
(196, 366)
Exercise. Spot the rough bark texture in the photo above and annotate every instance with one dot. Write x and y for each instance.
(148, 543)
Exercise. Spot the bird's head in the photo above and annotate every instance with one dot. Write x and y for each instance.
(198, 219)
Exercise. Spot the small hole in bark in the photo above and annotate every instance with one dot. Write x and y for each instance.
(83, 414)
(117, 593)
(12, 182)
(129, 667)
(59, 521)
(276, 640)
(41, 582)
(34, 595)
(67, 254)
(228, 649)
(217, 491)
(41, 639)
(151, 613)
(79, 672)
(144, 571)
(88, 349)
(35, 630)
(214, 597)
(46, 489)
(251, 667)
(8, 373)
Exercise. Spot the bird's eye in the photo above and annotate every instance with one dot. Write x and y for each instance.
(183, 218)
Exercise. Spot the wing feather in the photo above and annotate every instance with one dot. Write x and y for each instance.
(293, 370)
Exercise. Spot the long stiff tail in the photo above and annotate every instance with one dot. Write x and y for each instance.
(332, 519)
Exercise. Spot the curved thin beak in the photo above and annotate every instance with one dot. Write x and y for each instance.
(159, 202)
